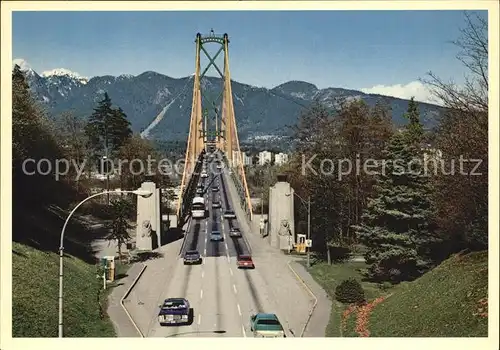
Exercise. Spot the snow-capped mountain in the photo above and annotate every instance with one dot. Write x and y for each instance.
(60, 72)
(51, 85)
(161, 105)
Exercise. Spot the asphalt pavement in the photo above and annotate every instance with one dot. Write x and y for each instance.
(222, 296)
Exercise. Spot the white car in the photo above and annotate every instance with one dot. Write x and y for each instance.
(229, 214)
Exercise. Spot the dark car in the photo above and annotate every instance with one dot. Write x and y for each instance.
(192, 257)
(175, 311)
(216, 236)
(245, 261)
(234, 232)
(229, 214)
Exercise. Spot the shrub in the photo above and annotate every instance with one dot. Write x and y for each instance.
(385, 285)
(314, 258)
(350, 291)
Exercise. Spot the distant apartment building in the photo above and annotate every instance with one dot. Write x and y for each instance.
(265, 157)
(247, 160)
(244, 158)
(280, 158)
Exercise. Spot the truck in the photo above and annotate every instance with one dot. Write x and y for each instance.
(264, 325)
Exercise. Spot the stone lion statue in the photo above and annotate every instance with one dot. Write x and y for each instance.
(146, 228)
(284, 229)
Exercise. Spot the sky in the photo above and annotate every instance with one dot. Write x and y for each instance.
(373, 51)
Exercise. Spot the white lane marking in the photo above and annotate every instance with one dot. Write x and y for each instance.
(228, 259)
(239, 309)
(243, 329)
(231, 271)
(226, 245)
(199, 319)
(202, 274)
(234, 288)
(201, 294)
(205, 251)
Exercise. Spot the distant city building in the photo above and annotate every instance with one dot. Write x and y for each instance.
(265, 157)
(245, 159)
(280, 158)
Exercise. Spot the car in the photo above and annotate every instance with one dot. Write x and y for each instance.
(229, 214)
(215, 204)
(192, 257)
(234, 232)
(175, 311)
(204, 174)
(216, 236)
(215, 189)
(245, 261)
(264, 325)
(199, 190)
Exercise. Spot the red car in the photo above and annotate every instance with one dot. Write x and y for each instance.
(245, 261)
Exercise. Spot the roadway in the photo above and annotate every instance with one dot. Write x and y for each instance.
(222, 296)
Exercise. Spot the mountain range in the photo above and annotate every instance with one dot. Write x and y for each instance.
(160, 106)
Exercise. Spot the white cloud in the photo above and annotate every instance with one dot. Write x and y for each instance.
(414, 88)
(22, 63)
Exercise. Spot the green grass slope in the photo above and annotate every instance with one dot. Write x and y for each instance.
(445, 302)
(35, 286)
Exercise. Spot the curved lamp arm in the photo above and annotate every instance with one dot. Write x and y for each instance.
(137, 192)
(304, 203)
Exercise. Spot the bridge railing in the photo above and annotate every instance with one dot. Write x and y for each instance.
(190, 191)
(239, 188)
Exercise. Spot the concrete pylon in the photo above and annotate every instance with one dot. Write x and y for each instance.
(148, 231)
(281, 215)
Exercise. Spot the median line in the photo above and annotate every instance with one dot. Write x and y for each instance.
(310, 292)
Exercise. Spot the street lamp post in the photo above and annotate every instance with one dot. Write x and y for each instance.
(308, 230)
(105, 158)
(308, 223)
(141, 193)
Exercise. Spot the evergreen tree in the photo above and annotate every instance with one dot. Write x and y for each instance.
(107, 128)
(120, 128)
(120, 226)
(32, 137)
(395, 225)
(414, 129)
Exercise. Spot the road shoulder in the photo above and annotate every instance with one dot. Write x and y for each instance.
(118, 316)
(321, 315)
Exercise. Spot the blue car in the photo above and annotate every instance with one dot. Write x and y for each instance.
(216, 236)
(175, 311)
